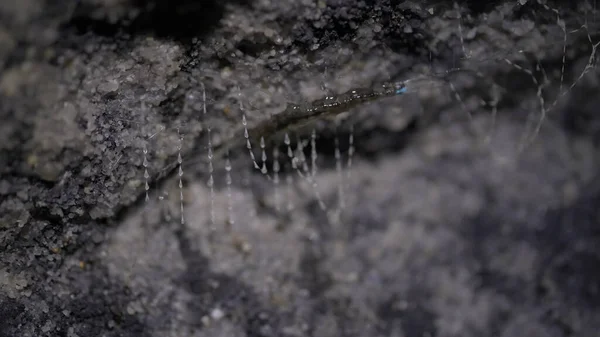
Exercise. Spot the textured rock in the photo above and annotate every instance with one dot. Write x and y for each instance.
(460, 217)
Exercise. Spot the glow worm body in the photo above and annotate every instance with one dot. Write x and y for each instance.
(298, 115)
(295, 115)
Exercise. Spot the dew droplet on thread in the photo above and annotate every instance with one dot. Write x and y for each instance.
(210, 160)
(276, 169)
(180, 173)
(263, 169)
(338, 168)
(228, 182)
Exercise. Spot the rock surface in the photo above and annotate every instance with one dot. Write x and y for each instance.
(470, 206)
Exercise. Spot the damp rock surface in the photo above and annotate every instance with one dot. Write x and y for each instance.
(138, 197)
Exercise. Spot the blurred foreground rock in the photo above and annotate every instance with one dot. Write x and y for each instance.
(450, 226)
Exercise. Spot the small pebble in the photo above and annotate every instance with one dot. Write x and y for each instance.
(217, 314)
(108, 86)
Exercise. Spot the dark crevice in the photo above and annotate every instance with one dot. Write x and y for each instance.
(564, 273)
(567, 268)
(478, 7)
(405, 34)
(11, 313)
(180, 20)
(410, 317)
(95, 300)
(315, 279)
